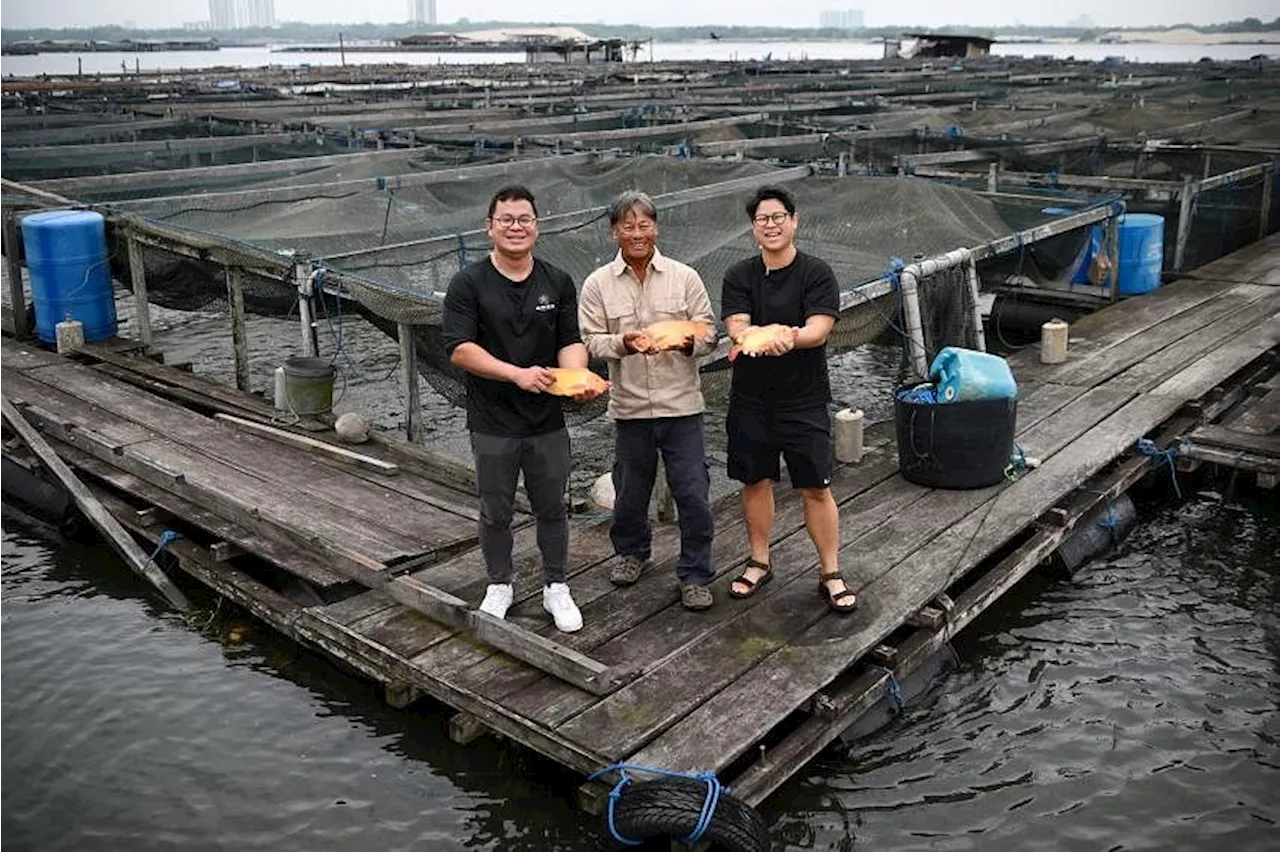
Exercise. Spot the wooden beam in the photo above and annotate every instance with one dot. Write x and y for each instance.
(13, 268)
(655, 130)
(138, 276)
(1186, 212)
(239, 335)
(337, 453)
(93, 509)
(1268, 190)
(409, 380)
(200, 144)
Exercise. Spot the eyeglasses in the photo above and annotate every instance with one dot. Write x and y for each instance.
(777, 218)
(636, 228)
(507, 221)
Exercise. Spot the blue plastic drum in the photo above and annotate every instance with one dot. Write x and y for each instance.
(70, 275)
(1141, 252)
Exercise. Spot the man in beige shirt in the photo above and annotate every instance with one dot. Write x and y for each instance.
(656, 399)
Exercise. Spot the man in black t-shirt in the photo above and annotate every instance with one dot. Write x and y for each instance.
(779, 307)
(506, 320)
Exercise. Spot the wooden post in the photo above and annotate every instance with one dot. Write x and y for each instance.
(141, 307)
(843, 169)
(93, 509)
(1208, 164)
(409, 375)
(1185, 214)
(1268, 189)
(1113, 257)
(13, 261)
(239, 337)
(993, 177)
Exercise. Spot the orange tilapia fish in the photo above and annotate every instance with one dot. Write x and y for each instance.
(754, 341)
(672, 334)
(571, 381)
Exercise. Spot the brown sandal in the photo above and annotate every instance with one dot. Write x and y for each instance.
(837, 600)
(753, 586)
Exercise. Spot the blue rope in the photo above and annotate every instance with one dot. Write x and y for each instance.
(893, 690)
(896, 265)
(167, 538)
(714, 789)
(1110, 522)
(1160, 457)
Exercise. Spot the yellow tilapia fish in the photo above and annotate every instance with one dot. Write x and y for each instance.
(672, 334)
(755, 341)
(571, 381)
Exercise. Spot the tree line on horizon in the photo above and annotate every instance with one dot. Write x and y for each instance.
(299, 31)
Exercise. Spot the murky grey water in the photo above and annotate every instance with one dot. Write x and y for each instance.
(1133, 708)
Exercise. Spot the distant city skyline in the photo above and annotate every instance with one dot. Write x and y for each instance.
(657, 13)
(422, 12)
(241, 14)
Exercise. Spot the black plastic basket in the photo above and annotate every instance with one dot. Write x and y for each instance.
(955, 444)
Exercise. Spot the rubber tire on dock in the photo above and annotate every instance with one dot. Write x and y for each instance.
(670, 808)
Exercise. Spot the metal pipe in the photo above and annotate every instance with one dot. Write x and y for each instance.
(915, 329)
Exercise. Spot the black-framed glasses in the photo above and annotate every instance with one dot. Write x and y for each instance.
(507, 220)
(777, 218)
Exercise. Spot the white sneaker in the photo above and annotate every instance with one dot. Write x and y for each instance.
(557, 601)
(497, 599)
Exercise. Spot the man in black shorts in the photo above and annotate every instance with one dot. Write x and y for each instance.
(780, 390)
(507, 319)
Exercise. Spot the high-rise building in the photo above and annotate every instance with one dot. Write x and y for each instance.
(840, 19)
(422, 11)
(241, 14)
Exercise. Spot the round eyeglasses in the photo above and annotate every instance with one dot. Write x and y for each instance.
(777, 218)
(507, 221)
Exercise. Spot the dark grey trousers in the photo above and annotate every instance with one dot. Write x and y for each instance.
(545, 461)
(681, 442)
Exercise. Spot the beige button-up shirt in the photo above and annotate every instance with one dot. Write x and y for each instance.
(613, 303)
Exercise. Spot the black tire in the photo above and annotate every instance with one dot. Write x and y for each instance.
(670, 808)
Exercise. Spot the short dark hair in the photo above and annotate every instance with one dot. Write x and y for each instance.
(515, 192)
(767, 193)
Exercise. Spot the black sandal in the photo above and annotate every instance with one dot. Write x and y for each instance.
(836, 600)
(753, 586)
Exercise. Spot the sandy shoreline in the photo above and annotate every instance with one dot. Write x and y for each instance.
(1190, 36)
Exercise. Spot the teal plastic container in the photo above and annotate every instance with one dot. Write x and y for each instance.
(1141, 254)
(964, 375)
(70, 276)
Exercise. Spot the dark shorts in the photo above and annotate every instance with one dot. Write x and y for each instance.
(757, 437)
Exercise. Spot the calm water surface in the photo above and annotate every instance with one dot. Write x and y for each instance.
(1133, 708)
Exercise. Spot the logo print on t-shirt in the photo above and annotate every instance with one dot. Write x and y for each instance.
(545, 303)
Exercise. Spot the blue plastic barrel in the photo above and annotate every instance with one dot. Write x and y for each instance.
(965, 375)
(70, 276)
(1141, 252)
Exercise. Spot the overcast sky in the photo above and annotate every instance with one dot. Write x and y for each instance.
(795, 13)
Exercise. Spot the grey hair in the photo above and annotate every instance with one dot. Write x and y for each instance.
(628, 200)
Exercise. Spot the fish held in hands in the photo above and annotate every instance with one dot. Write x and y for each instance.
(757, 340)
(572, 381)
(674, 334)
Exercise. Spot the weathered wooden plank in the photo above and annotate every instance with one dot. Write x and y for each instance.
(341, 454)
(1111, 360)
(232, 401)
(281, 554)
(632, 716)
(1117, 323)
(1257, 263)
(1219, 436)
(382, 663)
(26, 355)
(715, 732)
(116, 535)
(111, 429)
(1178, 355)
(388, 516)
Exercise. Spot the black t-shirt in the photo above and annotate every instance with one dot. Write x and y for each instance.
(521, 322)
(789, 296)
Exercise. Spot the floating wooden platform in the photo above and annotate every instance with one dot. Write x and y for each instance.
(751, 689)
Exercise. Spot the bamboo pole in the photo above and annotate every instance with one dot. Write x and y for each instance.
(93, 509)
(306, 307)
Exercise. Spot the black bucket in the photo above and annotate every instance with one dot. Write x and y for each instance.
(955, 444)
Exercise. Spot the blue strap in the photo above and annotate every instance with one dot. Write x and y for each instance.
(1109, 522)
(896, 265)
(893, 689)
(1160, 457)
(714, 789)
(167, 538)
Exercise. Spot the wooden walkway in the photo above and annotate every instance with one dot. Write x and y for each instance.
(751, 689)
